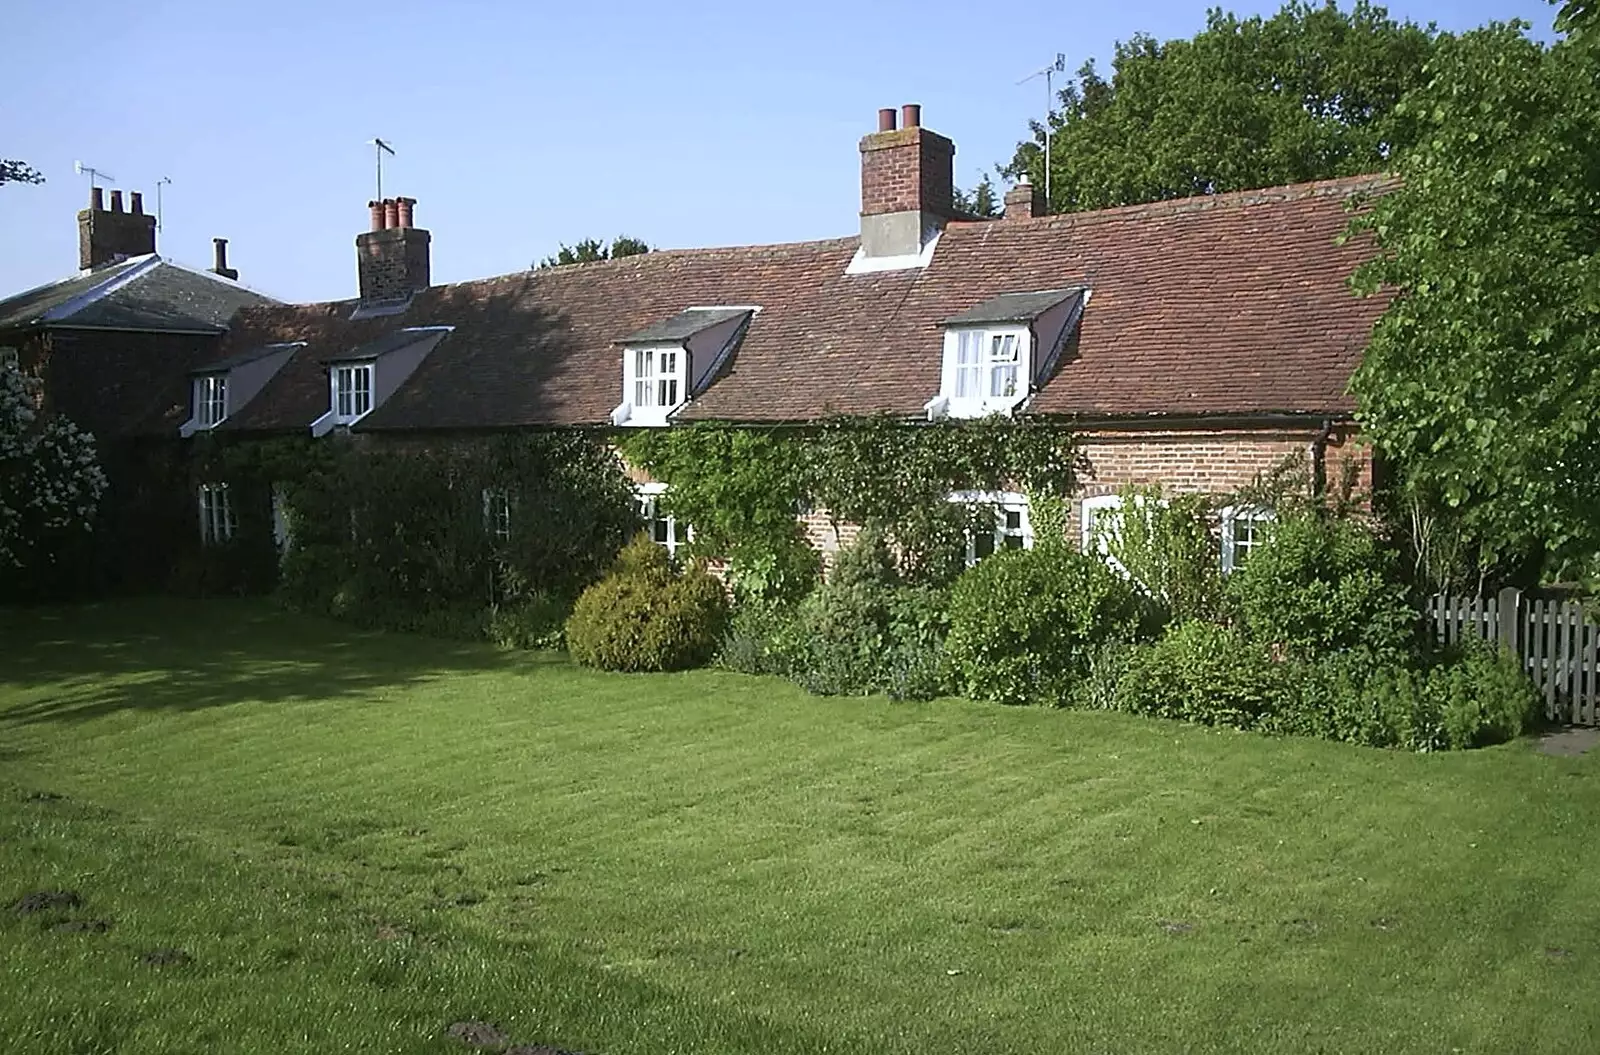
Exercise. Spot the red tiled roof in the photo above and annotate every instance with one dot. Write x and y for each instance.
(1232, 304)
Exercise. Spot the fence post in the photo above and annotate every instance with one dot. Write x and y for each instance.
(1510, 618)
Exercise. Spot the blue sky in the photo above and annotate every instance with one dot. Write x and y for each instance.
(519, 126)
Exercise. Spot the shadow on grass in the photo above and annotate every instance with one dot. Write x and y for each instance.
(164, 654)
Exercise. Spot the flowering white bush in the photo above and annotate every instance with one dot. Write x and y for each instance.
(50, 479)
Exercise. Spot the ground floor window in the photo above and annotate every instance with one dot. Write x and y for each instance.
(216, 514)
(497, 513)
(1243, 529)
(664, 528)
(1007, 511)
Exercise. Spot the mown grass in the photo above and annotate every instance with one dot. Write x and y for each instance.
(361, 838)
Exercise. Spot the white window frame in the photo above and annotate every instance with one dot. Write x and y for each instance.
(1089, 510)
(647, 497)
(210, 400)
(497, 504)
(975, 359)
(216, 515)
(356, 372)
(1230, 518)
(1002, 504)
(654, 382)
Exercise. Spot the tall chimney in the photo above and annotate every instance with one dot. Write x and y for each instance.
(1024, 201)
(392, 262)
(907, 185)
(107, 236)
(219, 249)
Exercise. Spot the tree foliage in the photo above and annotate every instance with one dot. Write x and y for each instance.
(1483, 375)
(50, 478)
(981, 202)
(19, 172)
(1308, 93)
(591, 249)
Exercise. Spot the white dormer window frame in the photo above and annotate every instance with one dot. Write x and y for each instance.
(350, 391)
(210, 400)
(986, 370)
(654, 383)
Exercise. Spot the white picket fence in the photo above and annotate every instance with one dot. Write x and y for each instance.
(1558, 646)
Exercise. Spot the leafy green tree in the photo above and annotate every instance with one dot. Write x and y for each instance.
(592, 249)
(1308, 93)
(19, 172)
(50, 479)
(1483, 377)
(981, 202)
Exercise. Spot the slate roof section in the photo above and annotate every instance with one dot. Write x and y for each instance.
(144, 294)
(249, 355)
(1236, 304)
(684, 325)
(1013, 307)
(389, 342)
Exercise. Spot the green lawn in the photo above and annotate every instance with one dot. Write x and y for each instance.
(362, 838)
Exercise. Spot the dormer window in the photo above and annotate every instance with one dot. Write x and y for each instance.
(352, 392)
(1000, 351)
(657, 377)
(670, 362)
(224, 388)
(353, 389)
(210, 400)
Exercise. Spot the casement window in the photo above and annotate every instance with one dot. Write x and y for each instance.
(1007, 511)
(985, 372)
(8, 358)
(210, 400)
(216, 515)
(352, 392)
(656, 377)
(1243, 529)
(664, 528)
(1099, 521)
(282, 523)
(497, 513)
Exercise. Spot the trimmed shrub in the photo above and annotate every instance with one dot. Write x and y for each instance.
(861, 631)
(753, 642)
(1023, 623)
(1321, 584)
(1201, 672)
(644, 616)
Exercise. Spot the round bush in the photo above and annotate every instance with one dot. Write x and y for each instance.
(1320, 585)
(643, 616)
(1023, 623)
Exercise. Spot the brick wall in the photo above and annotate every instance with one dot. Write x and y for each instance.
(1211, 462)
(905, 171)
(393, 263)
(1190, 461)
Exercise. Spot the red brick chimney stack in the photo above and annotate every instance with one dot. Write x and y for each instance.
(907, 185)
(392, 259)
(1024, 201)
(108, 236)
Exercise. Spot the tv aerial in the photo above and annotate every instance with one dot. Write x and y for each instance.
(80, 168)
(381, 149)
(1048, 73)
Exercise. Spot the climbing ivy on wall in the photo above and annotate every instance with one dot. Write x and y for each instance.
(406, 533)
(737, 485)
